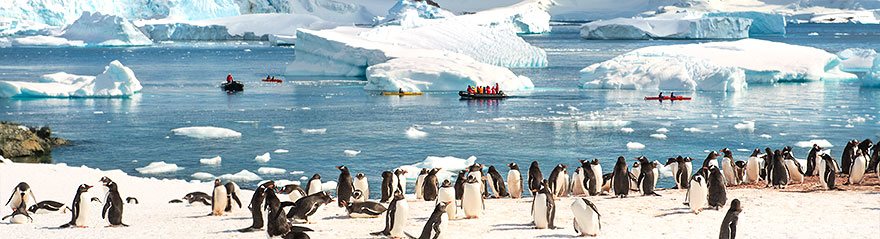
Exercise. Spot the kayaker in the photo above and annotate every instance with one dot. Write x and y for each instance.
(671, 94)
(661, 95)
(496, 87)
(400, 90)
(229, 78)
(267, 77)
(273, 78)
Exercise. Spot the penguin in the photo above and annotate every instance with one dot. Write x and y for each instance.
(514, 181)
(544, 207)
(589, 181)
(400, 180)
(846, 158)
(697, 192)
(48, 206)
(419, 182)
(395, 217)
(113, 206)
(436, 223)
(314, 186)
(827, 170)
(472, 200)
(447, 194)
(387, 186)
(293, 191)
(21, 194)
(875, 158)
(276, 222)
(728, 168)
(535, 177)
(621, 178)
(753, 167)
(768, 165)
(430, 186)
(672, 164)
(813, 160)
(717, 196)
(857, 169)
(711, 159)
(606, 180)
(635, 171)
(794, 166)
(557, 181)
(587, 220)
(647, 179)
(80, 211)
(728, 225)
(740, 170)
(307, 206)
(19, 214)
(256, 206)
(566, 183)
(779, 173)
(683, 173)
(865, 146)
(363, 208)
(600, 179)
(496, 183)
(219, 199)
(577, 182)
(476, 170)
(232, 191)
(104, 181)
(459, 184)
(131, 200)
(194, 198)
(344, 186)
(360, 183)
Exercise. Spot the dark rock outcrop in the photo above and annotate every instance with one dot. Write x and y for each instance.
(21, 141)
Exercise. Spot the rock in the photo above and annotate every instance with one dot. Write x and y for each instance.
(19, 141)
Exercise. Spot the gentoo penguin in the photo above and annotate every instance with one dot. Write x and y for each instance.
(557, 181)
(544, 207)
(728, 168)
(717, 197)
(865, 146)
(198, 198)
(754, 165)
(496, 183)
(589, 179)
(21, 194)
(728, 225)
(606, 186)
(846, 158)
(113, 206)
(256, 206)
(307, 206)
(577, 182)
(344, 187)
(683, 173)
(672, 164)
(80, 211)
(857, 168)
(104, 181)
(472, 200)
(697, 192)
(647, 179)
(779, 173)
(48, 206)
(363, 209)
(476, 170)
(19, 214)
(395, 217)
(131, 200)
(566, 183)
(400, 180)
(711, 159)
(436, 223)
(360, 183)
(827, 170)
(293, 191)
(219, 199)
(314, 186)
(277, 224)
(447, 194)
(768, 165)
(514, 181)
(740, 169)
(459, 184)
(621, 178)
(419, 182)
(232, 191)
(587, 220)
(875, 158)
(635, 171)
(813, 160)
(535, 177)
(387, 186)
(430, 186)
(794, 166)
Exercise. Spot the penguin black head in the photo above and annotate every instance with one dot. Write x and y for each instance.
(670, 161)
(621, 159)
(816, 147)
(360, 176)
(462, 173)
(83, 188)
(687, 159)
(595, 161)
(441, 207)
(636, 164)
(357, 194)
(740, 164)
(23, 187)
(288, 188)
(399, 172)
(513, 166)
(434, 171)
(642, 160)
(534, 164)
(560, 166)
(758, 151)
(735, 206)
(387, 174)
(471, 179)
(492, 168)
(446, 183)
(316, 176)
(476, 167)
(105, 180)
(112, 185)
(217, 183)
(342, 168)
(727, 153)
(423, 172)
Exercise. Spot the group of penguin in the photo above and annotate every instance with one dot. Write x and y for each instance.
(80, 207)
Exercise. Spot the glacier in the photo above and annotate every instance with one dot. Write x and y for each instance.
(675, 26)
(262, 27)
(762, 23)
(716, 66)
(116, 81)
(64, 12)
(348, 11)
(856, 59)
(96, 29)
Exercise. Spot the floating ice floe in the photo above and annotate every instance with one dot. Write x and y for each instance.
(279, 151)
(278, 127)
(634, 145)
(351, 153)
(627, 130)
(745, 125)
(268, 170)
(263, 158)
(808, 144)
(601, 123)
(436, 122)
(206, 132)
(414, 133)
(313, 131)
(303, 178)
(158, 167)
(856, 59)
(328, 186)
(662, 130)
(296, 172)
(861, 17)
(211, 161)
(715, 66)
(202, 176)
(242, 175)
(872, 78)
(281, 26)
(98, 112)
(656, 136)
(116, 81)
(766, 136)
(670, 26)
(450, 165)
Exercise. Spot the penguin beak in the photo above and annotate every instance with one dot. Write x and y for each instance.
(337, 167)
(88, 186)
(565, 166)
(447, 203)
(508, 165)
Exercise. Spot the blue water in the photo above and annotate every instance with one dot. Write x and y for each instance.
(181, 90)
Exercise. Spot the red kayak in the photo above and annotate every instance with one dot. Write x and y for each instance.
(272, 80)
(668, 98)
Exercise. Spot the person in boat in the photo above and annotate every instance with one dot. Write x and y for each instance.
(479, 89)
(400, 90)
(229, 78)
(496, 88)
(267, 77)
(661, 95)
(671, 94)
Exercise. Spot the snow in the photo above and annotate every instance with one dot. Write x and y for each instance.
(676, 26)
(413, 133)
(116, 81)
(715, 66)
(278, 151)
(745, 125)
(856, 59)
(314, 131)
(241, 176)
(449, 165)
(96, 29)
(634, 145)
(244, 27)
(451, 72)
(202, 176)
(211, 161)
(351, 153)
(263, 158)
(656, 136)
(158, 167)
(206, 132)
(268, 170)
(809, 144)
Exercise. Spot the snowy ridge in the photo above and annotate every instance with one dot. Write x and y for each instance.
(244, 27)
(671, 27)
(116, 81)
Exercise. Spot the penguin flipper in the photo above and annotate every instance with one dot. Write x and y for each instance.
(66, 225)
(409, 236)
(104, 211)
(10, 196)
(235, 197)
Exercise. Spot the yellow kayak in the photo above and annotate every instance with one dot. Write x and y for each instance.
(404, 93)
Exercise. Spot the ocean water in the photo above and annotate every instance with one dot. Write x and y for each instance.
(555, 124)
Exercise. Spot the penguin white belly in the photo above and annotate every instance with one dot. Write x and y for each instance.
(586, 220)
(361, 184)
(821, 169)
(401, 182)
(491, 183)
(697, 195)
(690, 168)
(83, 210)
(857, 171)
(447, 194)
(728, 171)
(796, 175)
(577, 183)
(597, 170)
(560, 185)
(401, 215)
(419, 182)
(656, 177)
(219, 200)
(636, 172)
(567, 186)
(753, 169)
(674, 170)
(541, 211)
(479, 176)
(16, 199)
(514, 184)
(472, 200)
(314, 186)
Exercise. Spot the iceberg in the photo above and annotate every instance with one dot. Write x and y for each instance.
(40, 40)
(242, 175)
(449, 165)
(716, 66)
(350, 11)
(413, 133)
(351, 153)
(807, 144)
(206, 132)
(411, 12)
(674, 26)
(450, 73)
(158, 167)
(263, 158)
(96, 29)
(762, 23)
(63, 12)
(314, 131)
(202, 176)
(262, 27)
(872, 78)
(856, 59)
(211, 161)
(634, 145)
(268, 170)
(116, 81)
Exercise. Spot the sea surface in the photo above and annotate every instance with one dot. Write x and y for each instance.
(557, 123)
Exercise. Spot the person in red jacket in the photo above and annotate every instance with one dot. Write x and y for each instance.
(229, 78)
